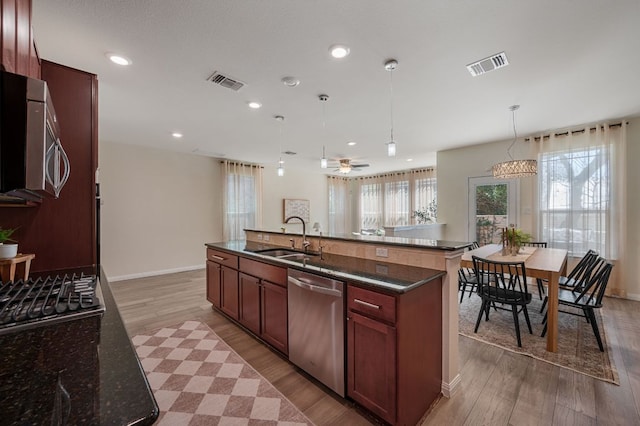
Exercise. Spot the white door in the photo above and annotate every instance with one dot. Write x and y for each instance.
(492, 207)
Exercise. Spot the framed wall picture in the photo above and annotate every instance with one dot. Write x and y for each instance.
(296, 208)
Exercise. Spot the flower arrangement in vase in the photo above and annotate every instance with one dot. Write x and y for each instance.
(513, 239)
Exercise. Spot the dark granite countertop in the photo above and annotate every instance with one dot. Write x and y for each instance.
(125, 395)
(74, 369)
(387, 276)
(381, 239)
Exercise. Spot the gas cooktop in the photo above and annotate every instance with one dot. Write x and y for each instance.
(34, 303)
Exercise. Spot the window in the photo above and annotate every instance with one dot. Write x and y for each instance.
(580, 179)
(575, 199)
(390, 199)
(242, 199)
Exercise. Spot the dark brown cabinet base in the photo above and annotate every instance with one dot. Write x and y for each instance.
(394, 351)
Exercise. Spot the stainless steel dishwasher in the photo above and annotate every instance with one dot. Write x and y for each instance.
(316, 327)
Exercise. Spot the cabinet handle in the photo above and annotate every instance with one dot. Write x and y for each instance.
(221, 259)
(367, 304)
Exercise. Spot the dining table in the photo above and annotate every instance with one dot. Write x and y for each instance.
(539, 262)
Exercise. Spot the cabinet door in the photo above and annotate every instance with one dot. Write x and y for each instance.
(213, 283)
(371, 363)
(274, 316)
(229, 292)
(249, 288)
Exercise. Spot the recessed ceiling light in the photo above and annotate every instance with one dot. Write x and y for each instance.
(339, 51)
(118, 59)
(290, 81)
(254, 104)
(176, 135)
(409, 159)
(351, 143)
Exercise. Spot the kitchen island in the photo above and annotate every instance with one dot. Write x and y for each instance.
(395, 310)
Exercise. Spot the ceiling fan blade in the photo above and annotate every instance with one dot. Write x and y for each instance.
(359, 165)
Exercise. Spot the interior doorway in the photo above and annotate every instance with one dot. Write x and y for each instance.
(492, 207)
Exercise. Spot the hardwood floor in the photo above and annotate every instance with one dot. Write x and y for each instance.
(498, 387)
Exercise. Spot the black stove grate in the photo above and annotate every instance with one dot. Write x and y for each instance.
(34, 300)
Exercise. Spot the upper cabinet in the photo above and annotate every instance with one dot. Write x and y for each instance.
(19, 53)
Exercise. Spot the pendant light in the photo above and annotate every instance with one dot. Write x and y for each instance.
(391, 65)
(514, 168)
(323, 160)
(280, 162)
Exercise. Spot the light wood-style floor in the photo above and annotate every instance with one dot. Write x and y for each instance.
(498, 387)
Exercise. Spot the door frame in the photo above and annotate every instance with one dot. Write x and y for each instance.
(513, 193)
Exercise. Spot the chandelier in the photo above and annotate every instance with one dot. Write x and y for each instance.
(514, 168)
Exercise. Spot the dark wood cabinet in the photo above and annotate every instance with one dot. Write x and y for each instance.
(62, 232)
(371, 361)
(229, 300)
(213, 283)
(19, 54)
(222, 282)
(255, 295)
(250, 290)
(274, 316)
(394, 350)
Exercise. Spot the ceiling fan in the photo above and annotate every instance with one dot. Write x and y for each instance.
(346, 166)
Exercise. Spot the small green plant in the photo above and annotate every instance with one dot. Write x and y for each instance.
(427, 215)
(5, 235)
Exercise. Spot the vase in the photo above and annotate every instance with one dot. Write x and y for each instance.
(514, 249)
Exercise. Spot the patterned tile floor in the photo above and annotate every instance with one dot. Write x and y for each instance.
(197, 379)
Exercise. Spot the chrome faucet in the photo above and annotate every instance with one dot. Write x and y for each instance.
(305, 243)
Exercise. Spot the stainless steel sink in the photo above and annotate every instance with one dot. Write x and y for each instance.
(286, 254)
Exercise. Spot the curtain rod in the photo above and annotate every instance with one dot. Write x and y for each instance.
(573, 132)
(398, 173)
(257, 166)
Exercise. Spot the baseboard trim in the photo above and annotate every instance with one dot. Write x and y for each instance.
(154, 273)
(449, 389)
(633, 296)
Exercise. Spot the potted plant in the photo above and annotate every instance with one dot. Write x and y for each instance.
(7, 250)
(513, 239)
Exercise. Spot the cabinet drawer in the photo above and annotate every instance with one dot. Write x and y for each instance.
(223, 258)
(373, 304)
(272, 273)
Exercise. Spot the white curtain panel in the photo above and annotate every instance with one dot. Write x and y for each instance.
(242, 199)
(339, 205)
(581, 190)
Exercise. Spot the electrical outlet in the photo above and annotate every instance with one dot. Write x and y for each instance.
(382, 252)
(266, 237)
(259, 236)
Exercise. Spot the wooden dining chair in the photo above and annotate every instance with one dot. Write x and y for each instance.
(539, 281)
(586, 298)
(499, 284)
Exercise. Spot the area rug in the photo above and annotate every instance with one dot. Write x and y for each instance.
(197, 379)
(577, 346)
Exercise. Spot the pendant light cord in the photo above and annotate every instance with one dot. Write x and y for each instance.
(391, 97)
(513, 109)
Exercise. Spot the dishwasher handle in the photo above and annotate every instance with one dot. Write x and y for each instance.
(315, 288)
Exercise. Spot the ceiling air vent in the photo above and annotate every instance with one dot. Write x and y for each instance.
(226, 81)
(485, 65)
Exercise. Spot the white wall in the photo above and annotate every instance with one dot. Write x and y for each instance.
(454, 169)
(295, 184)
(158, 210)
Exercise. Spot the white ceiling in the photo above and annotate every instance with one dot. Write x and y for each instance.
(571, 62)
